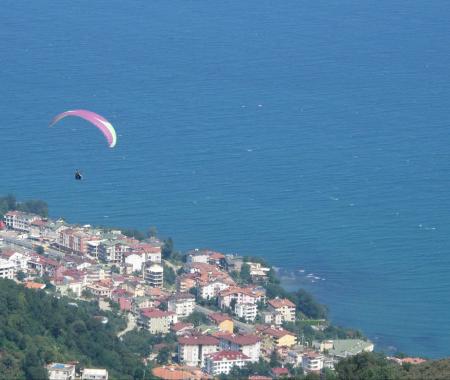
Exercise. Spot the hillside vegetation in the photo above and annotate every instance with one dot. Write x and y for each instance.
(37, 328)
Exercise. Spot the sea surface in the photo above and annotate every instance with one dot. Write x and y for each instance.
(315, 134)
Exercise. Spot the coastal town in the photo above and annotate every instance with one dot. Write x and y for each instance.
(216, 314)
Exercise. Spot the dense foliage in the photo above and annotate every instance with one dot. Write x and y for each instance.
(375, 366)
(37, 328)
(8, 203)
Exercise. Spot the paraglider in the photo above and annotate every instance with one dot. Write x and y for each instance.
(78, 175)
(97, 120)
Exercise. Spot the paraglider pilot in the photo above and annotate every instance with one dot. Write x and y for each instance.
(78, 175)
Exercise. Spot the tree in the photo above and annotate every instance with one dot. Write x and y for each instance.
(197, 319)
(169, 275)
(163, 355)
(306, 304)
(245, 274)
(152, 232)
(39, 250)
(167, 248)
(274, 359)
(21, 275)
(115, 269)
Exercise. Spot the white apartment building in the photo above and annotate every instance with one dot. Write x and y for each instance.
(312, 362)
(284, 307)
(222, 362)
(18, 220)
(154, 275)
(7, 269)
(247, 311)
(192, 350)
(94, 374)
(182, 304)
(249, 345)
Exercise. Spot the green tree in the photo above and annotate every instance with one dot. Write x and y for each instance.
(167, 248)
(39, 250)
(21, 275)
(197, 319)
(169, 276)
(163, 355)
(152, 232)
(245, 274)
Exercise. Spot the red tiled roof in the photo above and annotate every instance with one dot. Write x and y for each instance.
(228, 355)
(280, 302)
(279, 371)
(220, 317)
(124, 303)
(205, 340)
(241, 340)
(181, 325)
(34, 285)
(155, 313)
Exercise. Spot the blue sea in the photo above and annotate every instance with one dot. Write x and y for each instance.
(312, 133)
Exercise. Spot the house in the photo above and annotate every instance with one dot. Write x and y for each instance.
(60, 371)
(208, 290)
(156, 321)
(94, 374)
(249, 344)
(124, 304)
(138, 303)
(197, 256)
(246, 311)
(279, 372)
(135, 259)
(272, 318)
(278, 336)
(258, 271)
(192, 350)
(19, 259)
(223, 321)
(150, 252)
(247, 295)
(312, 361)
(181, 328)
(284, 307)
(233, 263)
(343, 348)
(182, 304)
(178, 372)
(186, 282)
(75, 240)
(7, 269)
(34, 285)
(223, 361)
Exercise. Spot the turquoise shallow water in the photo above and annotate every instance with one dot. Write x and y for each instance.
(313, 134)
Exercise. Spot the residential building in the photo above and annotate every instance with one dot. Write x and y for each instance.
(223, 361)
(136, 260)
(156, 321)
(100, 289)
(249, 345)
(7, 269)
(60, 371)
(280, 372)
(343, 348)
(284, 307)
(192, 350)
(75, 240)
(208, 290)
(278, 336)
(20, 221)
(223, 321)
(312, 362)
(182, 304)
(272, 318)
(248, 295)
(186, 282)
(19, 259)
(94, 374)
(258, 271)
(154, 275)
(178, 372)
(197, 256)
(246, 311)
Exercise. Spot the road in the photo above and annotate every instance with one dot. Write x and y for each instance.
(52, 253)
(131, 324)
(244, 327)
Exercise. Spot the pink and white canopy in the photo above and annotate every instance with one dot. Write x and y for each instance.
(99, 121)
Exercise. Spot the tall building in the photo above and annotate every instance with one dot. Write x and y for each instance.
(154, 275)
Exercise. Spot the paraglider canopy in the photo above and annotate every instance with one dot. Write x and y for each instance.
(97, 120)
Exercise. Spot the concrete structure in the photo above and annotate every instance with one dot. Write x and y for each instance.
(154, 275)
(343, 348)
(182, 304)
(222, 362)
(20, 221)
(60, 371)
(247, 311)
(279, 336)
(312, 362)
(223, 321)
(284, 307)
(210, 290)
(192, 350)
(272, 318)
(249, 345)
(94, 374)
(7, 269)
(157, 321)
